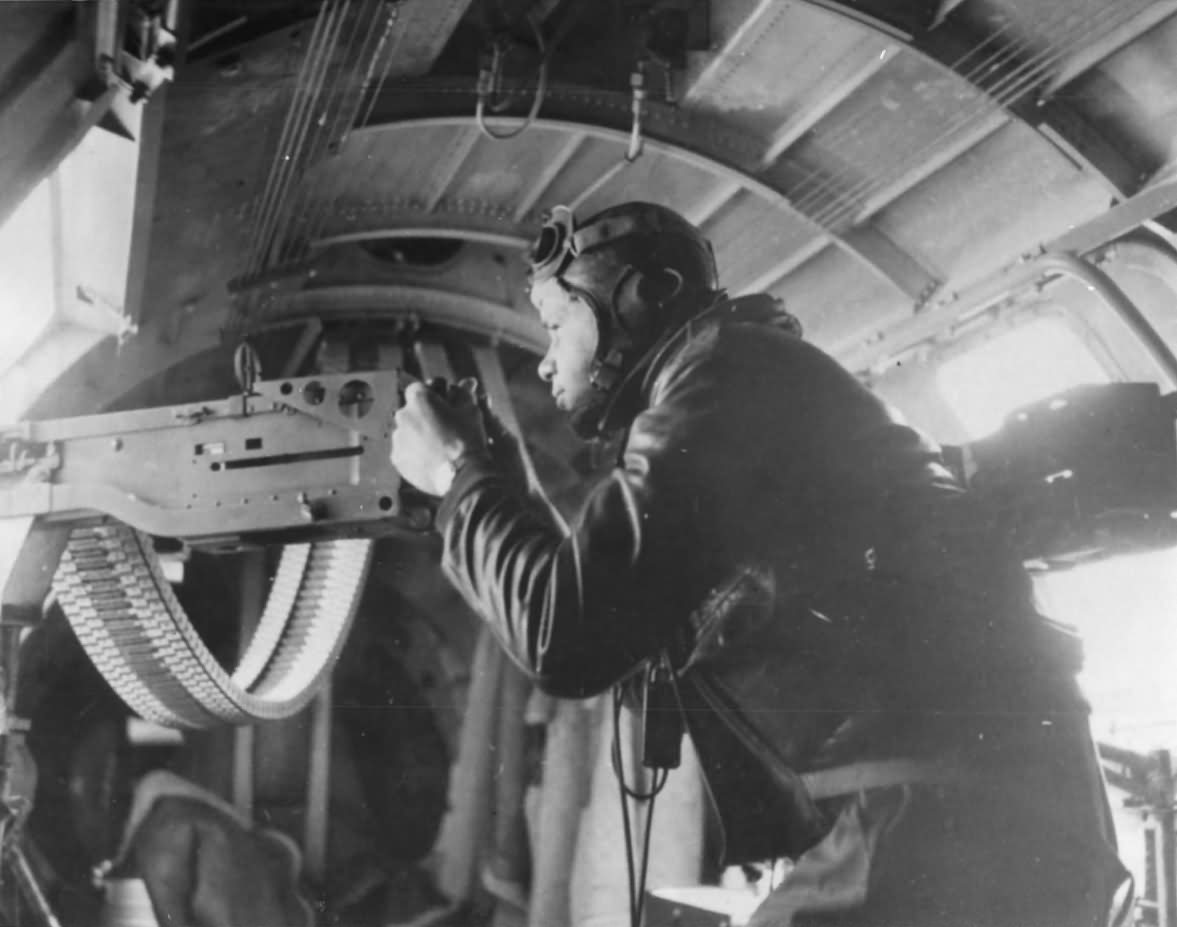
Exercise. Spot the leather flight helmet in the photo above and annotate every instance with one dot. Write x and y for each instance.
(642, 269)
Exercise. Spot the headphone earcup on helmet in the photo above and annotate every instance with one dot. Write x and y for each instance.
(640, 296)
(659, 286)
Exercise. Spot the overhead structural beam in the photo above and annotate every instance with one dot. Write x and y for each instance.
(712, 201)
(1089, 149)
(912, 332)
(1145, 206)
(146, 184)
(886, 259)
(1090, 56)
(551, 171)
(454, 233)
(843, 79)
(448, 164)
(733, 179)
(46, 77)
(946, 40)
(839, 83)
(943, 9)
(599, 183)
(891, 262)
(421, 30)
(42, 115)
(1060, 125)
(716, 67)
(895, 20)
(780, 270)
(618, 137)
(472, 315)
(955, 147)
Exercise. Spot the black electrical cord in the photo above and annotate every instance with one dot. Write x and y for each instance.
(637, 880)
(488, 79)
(486, 87)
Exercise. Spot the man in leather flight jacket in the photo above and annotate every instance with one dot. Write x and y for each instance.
(858, 657)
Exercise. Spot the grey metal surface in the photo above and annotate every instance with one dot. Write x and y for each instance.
(219, 137)
(416, 304)
(892, 142)
(446, 191)
(1139, 210)
(308, 453)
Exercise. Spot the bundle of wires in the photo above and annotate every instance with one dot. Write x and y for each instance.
(337, 79)
(638, 869)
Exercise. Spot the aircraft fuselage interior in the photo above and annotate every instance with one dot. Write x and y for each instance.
(232, 232)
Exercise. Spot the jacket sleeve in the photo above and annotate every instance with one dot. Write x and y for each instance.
(580, 610)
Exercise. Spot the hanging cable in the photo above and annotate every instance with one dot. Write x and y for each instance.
(368, 93)
(273, 181)
(490, 82)
(339, 108)
(374, 93)
(334, 82)
(636, 871)
(289, 160)
(663, 728)
(324, 127)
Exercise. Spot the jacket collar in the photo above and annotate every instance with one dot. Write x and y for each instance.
(630, 396)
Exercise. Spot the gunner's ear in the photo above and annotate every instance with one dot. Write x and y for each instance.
(659, 286)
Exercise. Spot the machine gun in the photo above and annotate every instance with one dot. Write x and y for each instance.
(301, 462)
(304, 462)
(1081, 475)
(303, 458)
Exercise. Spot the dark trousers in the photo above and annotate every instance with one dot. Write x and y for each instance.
(1030, 845)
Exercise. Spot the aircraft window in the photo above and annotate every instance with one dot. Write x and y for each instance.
(1033, 361)
(1124, 609)
(27, 298)
(1122, 606)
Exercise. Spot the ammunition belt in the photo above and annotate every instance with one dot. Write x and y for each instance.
(111, 586)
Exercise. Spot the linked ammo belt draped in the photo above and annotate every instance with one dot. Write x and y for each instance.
(111, 586)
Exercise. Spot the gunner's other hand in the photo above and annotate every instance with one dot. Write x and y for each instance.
(433, 432)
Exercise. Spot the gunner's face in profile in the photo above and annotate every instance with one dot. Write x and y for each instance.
(572, 344)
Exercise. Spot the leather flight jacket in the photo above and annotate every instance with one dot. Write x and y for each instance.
(826, 592)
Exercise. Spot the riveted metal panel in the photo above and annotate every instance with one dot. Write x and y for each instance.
(654, 177)
(407, 166)
(589, 162)
(500, 171)
(1130, 97)
(837, 298)
(771, 60)
(899, 118)
(750, 234)
(1005, 197)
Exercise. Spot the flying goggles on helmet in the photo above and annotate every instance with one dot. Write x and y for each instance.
(638, 266)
